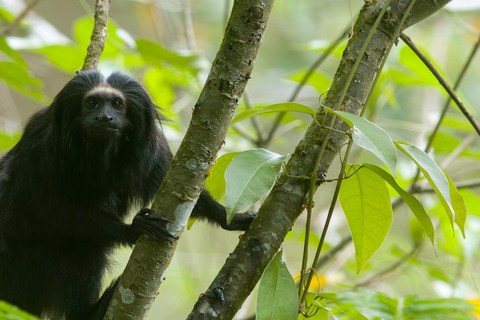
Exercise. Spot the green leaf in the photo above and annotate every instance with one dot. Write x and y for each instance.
(8, 141)
(458, 204)
(248, 177)
(410, 200)
(5, 48)
(216, 181)
(416, 308)
(318, 309)
(365, 201)
(6, 15)
(371, 137)
(156, 54)
(432, 173)
(10, 312)
(277, 294)
(17, 77)
(317, 80)
(68, 58)
(413, 63)
(279, 107)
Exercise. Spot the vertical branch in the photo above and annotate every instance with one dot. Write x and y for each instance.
(213, 112)
(99, 35)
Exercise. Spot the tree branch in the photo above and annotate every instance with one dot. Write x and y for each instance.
(184, 181)
(9, 28)
(99, 35)
(442, 81)
(277, 215)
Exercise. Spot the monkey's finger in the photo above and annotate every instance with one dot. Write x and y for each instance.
(150, 213)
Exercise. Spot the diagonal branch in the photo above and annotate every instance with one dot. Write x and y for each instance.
(99, 35)
(442, 81)
(9, 28)
(184, 181)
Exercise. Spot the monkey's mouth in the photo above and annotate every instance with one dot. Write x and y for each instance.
(104, 131)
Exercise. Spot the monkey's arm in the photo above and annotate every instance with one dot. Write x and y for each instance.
(207, 208)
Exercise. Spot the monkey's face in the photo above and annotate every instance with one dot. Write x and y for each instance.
(103, 113)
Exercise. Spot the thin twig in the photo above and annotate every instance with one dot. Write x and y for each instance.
(302, 83)
(460, 185)
(99, 35)
(442, 81)
(390, 268)
(9, 28)
(455, 87)
(188, 26)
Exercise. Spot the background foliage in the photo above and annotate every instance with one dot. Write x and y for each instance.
(407, 277)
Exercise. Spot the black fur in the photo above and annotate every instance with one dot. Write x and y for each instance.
(66, 187)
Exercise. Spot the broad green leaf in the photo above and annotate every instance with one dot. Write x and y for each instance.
(17, 77)
(410, 200)
(216, 181)
(279, 107)
(365, 201)
(317, 80)
(8, 141)
(5, 48)
(248, 177)
(6, 15)
(458, 204)
(277, 294)
(10, 312)
(371, 137)
(432, 173)
(413, 63)
(377, 305)
(416, 308)
(162, 92)
(68, 58)
(156, 55)
(445, 142)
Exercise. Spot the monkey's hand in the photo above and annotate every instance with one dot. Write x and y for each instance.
(151, 225)
(241, 221)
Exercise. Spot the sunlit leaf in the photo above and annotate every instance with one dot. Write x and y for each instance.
(366, 203)
(9, 312)
(458, 204)
(410, 200)
(5, 48)
(279, 107)
(317, 80)
(412, 62)
(277, 294)
(156, 55)
(433, 173)
(215, 183)
(17, 77)
(68, 58)
(248, 177)
(8, 141)
(371, 137)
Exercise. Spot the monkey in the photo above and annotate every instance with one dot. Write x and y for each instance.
(82, 163)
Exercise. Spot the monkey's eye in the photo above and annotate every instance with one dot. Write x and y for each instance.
(92, 103)
(116, 103)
